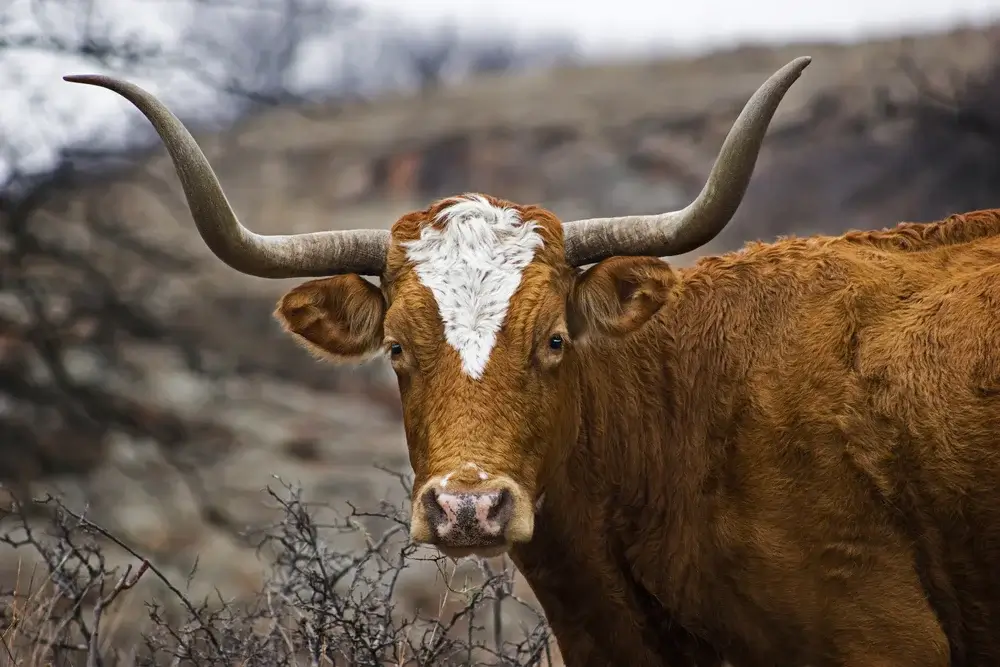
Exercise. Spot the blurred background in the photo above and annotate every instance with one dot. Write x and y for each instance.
(144, 380)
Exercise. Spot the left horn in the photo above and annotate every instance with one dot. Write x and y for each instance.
(676, 232)
(329, 253)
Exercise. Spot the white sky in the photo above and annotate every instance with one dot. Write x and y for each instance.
(618, 26)
(602, 27)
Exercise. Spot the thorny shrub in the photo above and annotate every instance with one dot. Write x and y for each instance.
(320, 605)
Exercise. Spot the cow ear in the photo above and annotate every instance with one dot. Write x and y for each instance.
(619, 295)
(338, 318)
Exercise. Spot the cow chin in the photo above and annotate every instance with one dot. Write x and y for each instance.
(456, 553)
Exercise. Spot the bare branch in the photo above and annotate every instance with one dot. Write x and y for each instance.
(319, 603)
(124, 584)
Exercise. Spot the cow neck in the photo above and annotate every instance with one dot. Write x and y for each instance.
(640, 427)
(624, 508)
(643, 456)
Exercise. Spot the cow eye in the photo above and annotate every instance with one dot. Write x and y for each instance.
(395, 349)
(556, 342)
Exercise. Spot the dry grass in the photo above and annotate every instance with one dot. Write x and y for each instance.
(78, 605)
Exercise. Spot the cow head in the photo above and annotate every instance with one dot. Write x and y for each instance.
(482, 312)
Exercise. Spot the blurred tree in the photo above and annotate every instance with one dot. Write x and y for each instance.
(73, 296)
(945, 158)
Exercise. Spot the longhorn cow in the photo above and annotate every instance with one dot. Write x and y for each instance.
(784, 455)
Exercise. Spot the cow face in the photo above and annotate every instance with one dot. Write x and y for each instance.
(487, 328)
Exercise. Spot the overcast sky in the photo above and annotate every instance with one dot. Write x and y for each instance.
(611, 26)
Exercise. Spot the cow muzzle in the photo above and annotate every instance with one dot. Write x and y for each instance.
(483, 518)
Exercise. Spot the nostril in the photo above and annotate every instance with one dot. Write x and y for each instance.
(435, 513)
(503, 501)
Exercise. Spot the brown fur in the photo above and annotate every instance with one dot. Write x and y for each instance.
(787, 455)
(338, 318)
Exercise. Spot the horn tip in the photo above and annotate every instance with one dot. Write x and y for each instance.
(801, 62)
(793, 70)
(92, 79)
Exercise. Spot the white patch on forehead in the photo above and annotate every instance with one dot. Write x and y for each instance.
(473, 265)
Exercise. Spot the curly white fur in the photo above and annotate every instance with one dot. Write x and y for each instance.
(472, 263)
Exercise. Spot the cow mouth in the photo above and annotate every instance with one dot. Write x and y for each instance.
(492, 551)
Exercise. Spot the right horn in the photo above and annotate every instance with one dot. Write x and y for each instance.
(676, 232)
(361, 251)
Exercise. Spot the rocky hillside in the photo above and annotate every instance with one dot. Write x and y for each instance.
(615, 139)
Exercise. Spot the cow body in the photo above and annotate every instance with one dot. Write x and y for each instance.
(796, 462)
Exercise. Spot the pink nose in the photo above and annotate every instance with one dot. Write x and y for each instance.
(469, 518)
